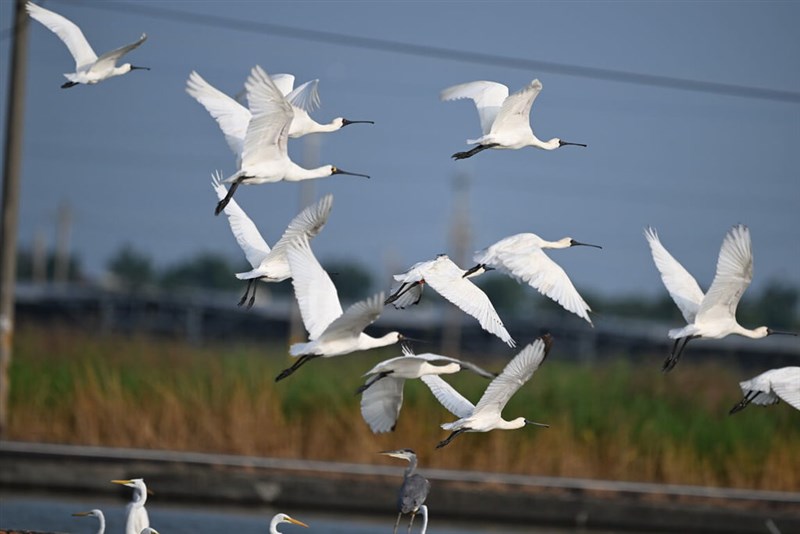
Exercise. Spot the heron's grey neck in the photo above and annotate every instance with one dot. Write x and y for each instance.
(412, 465)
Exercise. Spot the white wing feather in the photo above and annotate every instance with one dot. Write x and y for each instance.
(284, 82)
(515, 113)
(381, 404)
(316, 295)
(681, 285)
(733, 276)
(452, 400)
(109, 59)
(268, 131)
(308, 222)
(231, 116)
(356, 318)
(305, 97)
(518, 371)
(67, 31)
(488, 98)
(244, 230)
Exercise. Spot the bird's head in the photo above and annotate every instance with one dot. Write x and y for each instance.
(403, 454)
(127, 67)
(283, 518)
(342, 122)
(529, 422)
(336, 170)
(560, 142)
(573, 243)
(763, 331)
(90, 513)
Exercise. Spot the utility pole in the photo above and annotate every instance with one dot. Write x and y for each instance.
(63, 238)
(9, 208)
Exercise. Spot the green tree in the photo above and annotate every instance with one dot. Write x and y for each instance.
(352, 280)
(131, 268)
(207, 270)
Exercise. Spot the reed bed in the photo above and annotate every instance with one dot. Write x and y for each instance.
(612, 421)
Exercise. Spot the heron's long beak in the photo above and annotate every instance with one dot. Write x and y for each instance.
(771, 332)
(529, 422)
(565, 143)
(81, 514)
(574, 243)
(337, 170)
(122, 482)
(134, 67)
(295, 521)
(345, 122)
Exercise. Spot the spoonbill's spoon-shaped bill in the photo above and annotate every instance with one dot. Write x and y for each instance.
(770, 388)
(277, 519)
(265, 157)
(448, 279)
(269, 265)
(487, 414)
(331, 331)
(136, 515)
(382, 394)
(233, 118)
(89, 69)
(504, 118)
(713, 315)
(522, 257)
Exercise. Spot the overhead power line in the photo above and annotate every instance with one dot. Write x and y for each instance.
(480, 58)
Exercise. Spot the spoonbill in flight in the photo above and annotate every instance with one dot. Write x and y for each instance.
(269, 265)
(89, 69)
(712, 315)
(94, 513)
(331, 331)
(264, 152)
(504, 118)
(382, 394)
(277, 519)
(233, 117)
(770, 388)
(522, 257)
(135, 513)
(414, 490)
(487, 414)
(449, 280)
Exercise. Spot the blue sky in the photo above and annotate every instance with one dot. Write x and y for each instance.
(133, 156)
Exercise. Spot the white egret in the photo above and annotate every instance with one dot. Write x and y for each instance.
(89, 69)
(414, 490)
(504, 119)
(712, 315)
(135, 513)
(382, 394)
(148, 530)
(487, 414)
(283, 518)
(233, 117)
(264, 152)
(770, 388)
(522, 257)
(424, 511)
(95, 513)
(449, 280)
(331, 331)
(269, 265)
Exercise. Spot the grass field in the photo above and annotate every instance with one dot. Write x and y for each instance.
(615, 421)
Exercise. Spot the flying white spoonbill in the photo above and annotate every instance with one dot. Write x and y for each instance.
(522, 257)
(233, 117)
(449, 280)
(269, 265)
(382, 394)
(283, 518)
(264, 154)
(713, 315)
(504, 118)
(136, 514)
(770, 388)
(94, 513)
(487, 414)
(89, 69)
(331, 331)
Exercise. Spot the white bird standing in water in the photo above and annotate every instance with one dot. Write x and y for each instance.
(136, 514)
(451, 282)
(283, 518)
(770, 388)
(89, 69)
(713, 315)
(269, 265)
(265, 156)
(522, 257)
(414, 490)
(382, 394)
(331, 331)
(505, 120)
(95, 513)
(487, 414)
(233, 117)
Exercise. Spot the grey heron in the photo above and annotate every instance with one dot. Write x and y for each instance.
(414, 490)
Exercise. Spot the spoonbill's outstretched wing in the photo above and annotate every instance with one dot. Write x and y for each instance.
(231, 116)
(109, 59)
(770, 388)
(488, 98)
(734, 273)
(308, 222)
(316, 295)
(452, 400)
(306, 96)
(515, 113)
(284, 82)
(67, 31)
(357, 317)
(681, 285)
(268, 131)
(244, 230)
(381, 404)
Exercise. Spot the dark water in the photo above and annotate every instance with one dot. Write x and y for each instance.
(54, 514)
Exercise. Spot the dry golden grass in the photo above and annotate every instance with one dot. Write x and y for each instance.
(613, 421)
